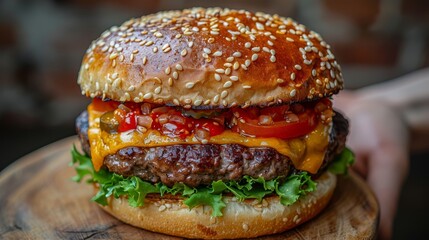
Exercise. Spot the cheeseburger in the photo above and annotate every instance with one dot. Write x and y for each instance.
(211, 123)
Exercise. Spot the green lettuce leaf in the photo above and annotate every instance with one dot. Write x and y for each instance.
(342, 162)
(111, 184)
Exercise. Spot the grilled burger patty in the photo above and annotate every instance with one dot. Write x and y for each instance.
(202, 164)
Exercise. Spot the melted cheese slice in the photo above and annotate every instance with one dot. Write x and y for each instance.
(307, 152)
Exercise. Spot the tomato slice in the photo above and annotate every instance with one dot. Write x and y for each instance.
(279, 129)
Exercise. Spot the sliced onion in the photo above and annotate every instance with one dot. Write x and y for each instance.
(202, 134)
(144, 121)
(163, 118)
(146, 108)
(177, 119)
(291, 117)
(160, 110)
(265, 120)
(123, 107)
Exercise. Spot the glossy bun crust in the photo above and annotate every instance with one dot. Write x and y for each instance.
(240, 219)
(210, 58)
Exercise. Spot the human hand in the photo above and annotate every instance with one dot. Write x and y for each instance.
(379, 138)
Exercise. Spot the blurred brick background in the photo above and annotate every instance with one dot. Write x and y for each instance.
(42, 43)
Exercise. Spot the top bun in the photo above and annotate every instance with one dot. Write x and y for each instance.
(210, 58)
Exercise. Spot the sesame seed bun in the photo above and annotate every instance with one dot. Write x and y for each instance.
(240, 219)
(210, 58)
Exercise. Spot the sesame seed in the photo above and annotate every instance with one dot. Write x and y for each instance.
(265, 49)
(144, 60)
(131, 88)
(179, 67)
(279, 80)
(216, 99)
(234, 78)
(307, 62)
(217, 54)
(292, 76)
(114, 75)
(220, 70)
(164, 46)
(147, 96)
(244, 67)
(256, 49)
(270, 43)
(254, 57)
(227, 84)
(214, 33)
(236, 66)
(247, 86)
(247, 45)
(259, 26)
(178, 36)
(183, 52)
(245, 227)
(217, 77)
(236, 54)
(273, 58)
(313, 72)
(157, 90)
(298, 67)
(247, 63)
(227, 71)
(289, 39)
(155, 49)
(170, 82)
(190, 44)
(230, 59)
(223, 94)
(176, 101)
(198, 102)
(175, 75)
(318, 82)
(127, 96)
(206, 50)
(113, 56)
(292, 93)
(162, 208)
(332, 74)
(148, 43)
(189, 85)
(167, 70)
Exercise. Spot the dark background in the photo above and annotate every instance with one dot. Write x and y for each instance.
(42, 44)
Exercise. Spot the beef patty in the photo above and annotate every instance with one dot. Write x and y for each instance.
(200, 164)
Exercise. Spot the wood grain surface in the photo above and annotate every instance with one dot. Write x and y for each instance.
(39, 201)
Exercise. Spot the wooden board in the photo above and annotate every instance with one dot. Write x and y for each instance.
(39, 201)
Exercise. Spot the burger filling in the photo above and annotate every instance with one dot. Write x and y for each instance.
(298, 131)
(139, 149)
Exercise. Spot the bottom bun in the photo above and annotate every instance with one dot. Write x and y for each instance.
(246, 219)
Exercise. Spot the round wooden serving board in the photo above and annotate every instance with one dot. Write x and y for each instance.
(39, 201)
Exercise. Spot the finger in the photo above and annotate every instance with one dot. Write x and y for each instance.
(387, 170)
(361, 165)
